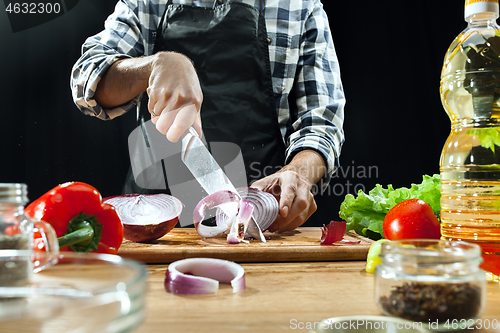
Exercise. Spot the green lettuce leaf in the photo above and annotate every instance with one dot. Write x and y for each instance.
(488, 137)
(365, 213)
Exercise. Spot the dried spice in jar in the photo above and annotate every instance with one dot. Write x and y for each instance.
(435, 302)
(430, 281)
(12, 272)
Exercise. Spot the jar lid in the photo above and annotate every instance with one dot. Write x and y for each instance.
(13, 193)
(473, 7)
(428, 253)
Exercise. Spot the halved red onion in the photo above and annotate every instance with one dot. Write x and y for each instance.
(146, 217)
(200, 276)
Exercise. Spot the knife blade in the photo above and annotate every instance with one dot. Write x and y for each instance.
(211, 177)
(205, 169)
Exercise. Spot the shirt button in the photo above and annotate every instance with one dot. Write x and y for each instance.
(269, 41)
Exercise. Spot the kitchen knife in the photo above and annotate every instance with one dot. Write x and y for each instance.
(211, 177)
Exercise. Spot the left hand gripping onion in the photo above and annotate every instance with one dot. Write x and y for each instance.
(201, 276)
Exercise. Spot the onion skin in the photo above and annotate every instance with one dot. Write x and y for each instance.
(201, 276)
(148, 232)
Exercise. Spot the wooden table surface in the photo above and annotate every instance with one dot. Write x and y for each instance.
(279, 297)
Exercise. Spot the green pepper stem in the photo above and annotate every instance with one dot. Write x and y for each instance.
(82, 235)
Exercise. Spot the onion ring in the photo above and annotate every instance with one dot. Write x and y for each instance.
(265, 211)
(200, 276)
(214, 200)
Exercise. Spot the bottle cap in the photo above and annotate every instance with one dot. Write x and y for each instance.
(13, 193)
(480, 6)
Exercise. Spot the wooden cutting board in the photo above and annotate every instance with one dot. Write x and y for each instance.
(302, 244)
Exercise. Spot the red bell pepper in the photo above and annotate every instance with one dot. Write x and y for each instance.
(82, 222)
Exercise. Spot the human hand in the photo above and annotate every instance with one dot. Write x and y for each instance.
(296, 202)
(175, 95)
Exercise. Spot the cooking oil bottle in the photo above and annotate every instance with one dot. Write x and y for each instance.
(470, 160)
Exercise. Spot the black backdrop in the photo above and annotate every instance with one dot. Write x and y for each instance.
(390, 57)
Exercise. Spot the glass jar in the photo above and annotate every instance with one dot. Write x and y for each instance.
(16, 236)
(14, 227)
(435, 282)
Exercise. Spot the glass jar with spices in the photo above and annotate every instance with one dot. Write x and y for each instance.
(435, 282)
(16, 236)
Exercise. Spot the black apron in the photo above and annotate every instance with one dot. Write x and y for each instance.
(229, 49)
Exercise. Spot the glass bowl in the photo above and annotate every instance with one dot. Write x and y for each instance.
(81, 293)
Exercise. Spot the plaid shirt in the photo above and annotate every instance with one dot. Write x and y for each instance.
(305, 73)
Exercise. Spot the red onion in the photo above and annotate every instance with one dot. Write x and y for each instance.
(332, 233)
(146, 217)
(264, 213)
(199, 276)
(239, 227)
(213, 200)
(266, 207)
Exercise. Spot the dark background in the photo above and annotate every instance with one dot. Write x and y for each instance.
(390, 58)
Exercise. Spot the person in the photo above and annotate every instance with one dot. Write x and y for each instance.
(261, 74)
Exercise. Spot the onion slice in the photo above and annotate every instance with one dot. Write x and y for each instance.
(146, 217)
(239, 227)
(266, 207)
(214, 200)
(200, 276)
(333, 232)
(265, 211)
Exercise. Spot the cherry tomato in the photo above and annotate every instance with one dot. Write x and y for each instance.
(411, 219)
